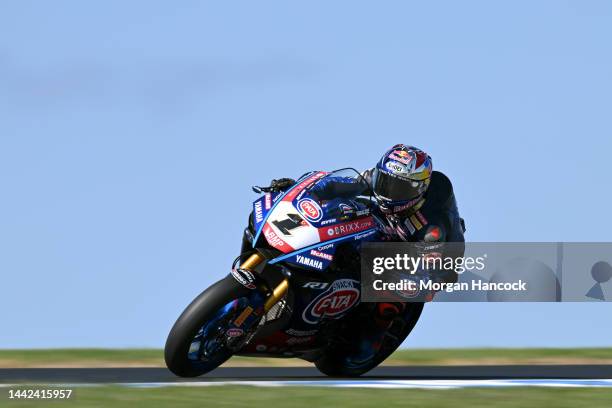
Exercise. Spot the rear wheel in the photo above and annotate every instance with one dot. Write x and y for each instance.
(197, 342)
(341, 361)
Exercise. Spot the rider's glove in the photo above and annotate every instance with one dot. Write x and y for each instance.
(281, 184)
(275, 186)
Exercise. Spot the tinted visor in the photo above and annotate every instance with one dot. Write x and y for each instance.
(394, 188)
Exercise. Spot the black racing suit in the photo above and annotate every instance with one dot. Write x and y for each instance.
(433, 221)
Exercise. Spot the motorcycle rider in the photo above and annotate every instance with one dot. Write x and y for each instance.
(414, 203)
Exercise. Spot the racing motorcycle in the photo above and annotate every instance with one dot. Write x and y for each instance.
(294, 291)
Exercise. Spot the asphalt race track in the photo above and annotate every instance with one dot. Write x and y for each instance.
(162, 375)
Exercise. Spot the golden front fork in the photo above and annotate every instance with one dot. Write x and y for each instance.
(278, 292)
(252, 261)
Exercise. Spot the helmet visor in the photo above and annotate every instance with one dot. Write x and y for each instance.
(393, 188)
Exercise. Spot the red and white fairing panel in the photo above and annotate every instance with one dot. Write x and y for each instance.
(305, 213)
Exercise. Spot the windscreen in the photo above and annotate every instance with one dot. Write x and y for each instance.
(345, 183)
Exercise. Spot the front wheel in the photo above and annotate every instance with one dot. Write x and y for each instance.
(197, 342)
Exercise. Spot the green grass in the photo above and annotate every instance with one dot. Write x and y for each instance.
(252, 397)
(154, 357)
(503, 356)
(49, 357)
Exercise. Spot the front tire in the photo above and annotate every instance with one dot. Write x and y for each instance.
(203, 309)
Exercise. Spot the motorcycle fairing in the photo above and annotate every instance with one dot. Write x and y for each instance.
(271, 233)
(300, 219)
(326, 251)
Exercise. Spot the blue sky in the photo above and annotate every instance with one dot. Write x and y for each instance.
(131, 132)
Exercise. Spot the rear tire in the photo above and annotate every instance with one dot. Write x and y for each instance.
(197, 314)
(333, 362)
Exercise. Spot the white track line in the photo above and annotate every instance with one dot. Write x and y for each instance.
(388, 384)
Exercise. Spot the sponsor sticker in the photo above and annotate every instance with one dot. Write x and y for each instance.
(415, 221)
(244, 277)
(364, 235)
(328, 221)
(395, 167)
(294, 332)
(407, 205)
(234, 332)
(325, 247)
(401, 156)
(268, 201)
(299, 196)
(272, 238)
(313, 263)
(409, 226)
(293, 341)
(302, 185)
(315, 285)
(341, 296)
(320, 254)
(421, 218)
(350, 227)
(434, 233)
(399, 159)
(346, 209)
(258, 212)
(310, 209)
